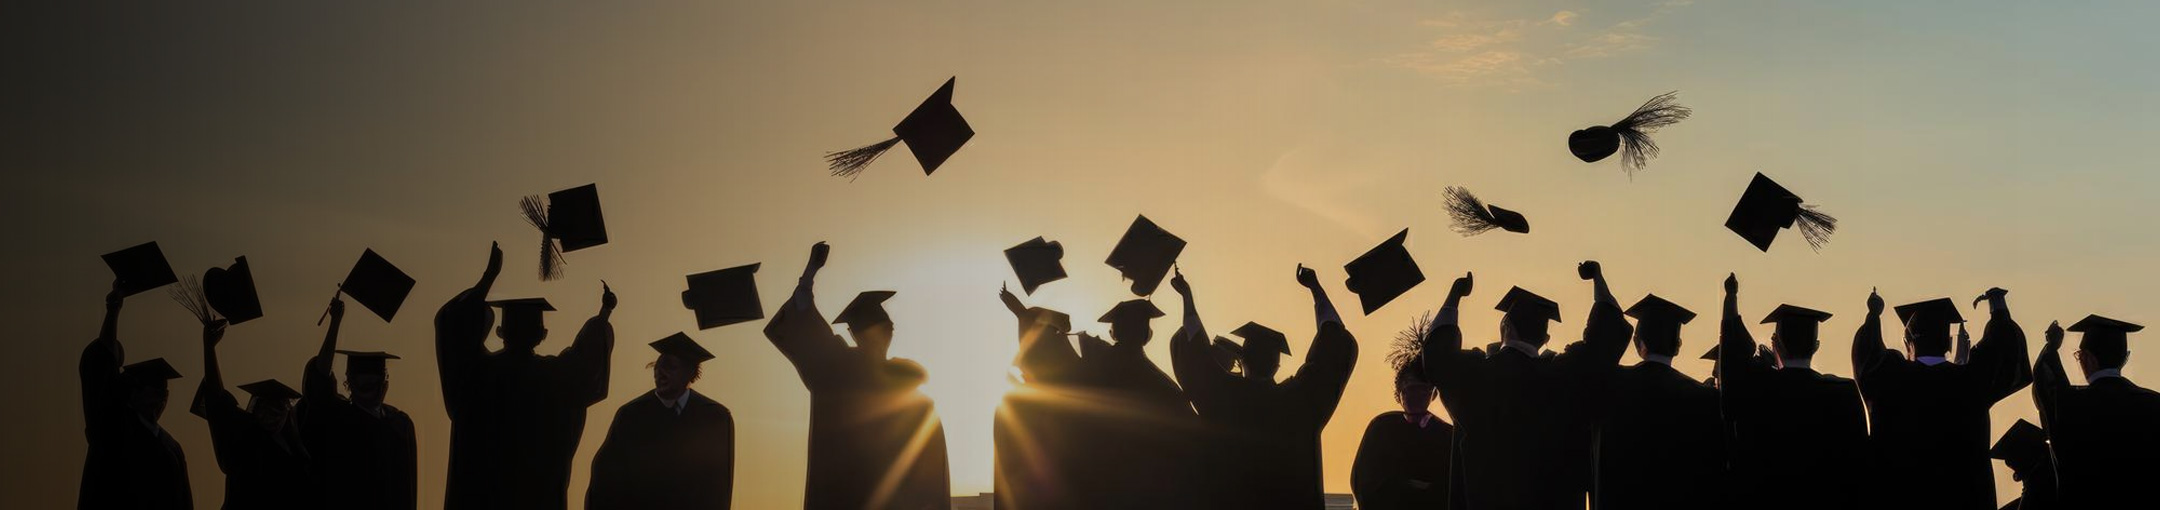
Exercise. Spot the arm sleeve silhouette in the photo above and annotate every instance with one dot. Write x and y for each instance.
(216, 405)
(461, 329)
(1737, 369)
(2000, 360)
(1202, 379)
(1371, 481)
(1328, 363)
(586, 360)
(317, 385)
(1447, 366)
(1868, 352)
(1046, 356)
(722, 493)
(799, 331)
(2050, 381)
(103, 392)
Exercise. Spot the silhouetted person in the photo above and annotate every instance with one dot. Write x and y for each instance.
(1525, 418)
(1402, 463)
(2106, 434)
(1136, 446)
(2024, 449)
(515, 416)
(875, 441)
(1929, 417)
(670, 448)
(1036, 433)
(265, 463)
(132, 462)
(364, 448)
(1265, 435)
(1799, 436)
(1662, 445)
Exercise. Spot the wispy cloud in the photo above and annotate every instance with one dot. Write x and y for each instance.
(1512, 53)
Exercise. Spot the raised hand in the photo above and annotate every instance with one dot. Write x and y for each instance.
(213, 332)
(337, 308)
(1308, 278)
(1183, 288)
(1589, 270)
(494, 267)
(818, 253)
(1992, 296)
(1462, 286)
(1732, 284)
(607, 298)
(113, 298)
(2054, 335)
(1012, 302)
(1874, 302)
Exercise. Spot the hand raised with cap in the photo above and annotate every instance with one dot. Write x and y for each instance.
(113, 298)
(337, 308)
(1184, 288)
(1308, 278)
(213, 332)
(1874, 302)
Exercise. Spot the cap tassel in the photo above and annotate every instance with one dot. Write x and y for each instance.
(1471, 217)
(1636, 147)
(1410, 342)
(850, 163)
(551, 260)
(1815, 225)
(191, 296)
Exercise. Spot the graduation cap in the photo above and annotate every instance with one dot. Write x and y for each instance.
(1036, 262)
(231, 292)
(139, 268)
(724, 297)
(1531, 305)
(1656, 309)
(1383, 273)
(1788, 313)
(1473, 216)
(2024, 443)
(682, 347)
(270, 389)
(2103, 334)
(868, 309)
(523, 311)
(1226, 353)
(569, 220)
(1131, 309)
(1712, 354)
(366, 362)
(1054, 319)
(1631, 135)
(934, 131)
(1940, 311)
(1259, 338)
(1144, 255)
(156, 369)
(1765, 208)
(377, 285)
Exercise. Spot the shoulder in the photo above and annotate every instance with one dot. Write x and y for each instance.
(1388, 416)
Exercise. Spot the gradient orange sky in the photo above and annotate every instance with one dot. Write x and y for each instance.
(1963, 144)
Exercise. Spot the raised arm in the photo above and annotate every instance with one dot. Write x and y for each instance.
(316, 383)
(216, 404)
(2001, 361)
(1867, 343)
(461, 329)
(1446, 365)
(1736, 347)
(99, 366)
(1197, 373)
(799, 331)
(586, 360)
(1606, 332)
(1323, 309)
(1330, 358)
(2049, 378)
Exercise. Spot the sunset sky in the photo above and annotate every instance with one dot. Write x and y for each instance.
(1963, 145)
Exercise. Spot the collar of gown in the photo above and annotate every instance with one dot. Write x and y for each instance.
(674, 404)
(1931, 360)
(2103, 374)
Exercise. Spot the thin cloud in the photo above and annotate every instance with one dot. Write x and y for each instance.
(1510, 53)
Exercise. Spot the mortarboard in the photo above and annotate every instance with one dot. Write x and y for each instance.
(1473, 216)
(1145, 254)
(2103, 334)
(1383, 273)
(569, 220)
(934, 131)
(270, 389)
(1529, 303)
(526, 311)
(1261, 338)
(682, 347)
(231, 292)
(868, 309)
(1226, 353)
(1131, 309)
(1793, 313)
(1036, 262)
(1766, 208)
(377, 285)
(1630, 135)
(155, 369)
(2023, 443)
(1656, 309)
(1941, 311)
(1712, 354)
(724, 297)
(1052, 319)
(366, 362)
(139, 268)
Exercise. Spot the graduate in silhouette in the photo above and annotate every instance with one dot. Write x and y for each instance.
(1037, 430)
(1264, 435)
(1136, 446)
(671, 447)
(1402, 463)
(1928, 416)
(132, 462)
(2104, 432)
(515, 416)
(1662, 445)
(266, 464)
(365, 450)
(1525, 418)
(2024, 449)
(875, 441)
(1800, 436)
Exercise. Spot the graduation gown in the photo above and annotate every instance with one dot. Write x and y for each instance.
(2106, 436)
(1037, 433)
(875, 441)
(1524, 424)
(1136, 432)
(263, 469)
(366, 459)
(1396, 456)
(1930, 423)
(132, 463)
(1662, 445)
(1799, 436)
(516, 417)
(1263, 437)
(656, 457)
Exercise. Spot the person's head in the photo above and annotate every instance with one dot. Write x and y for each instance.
(1657, 326)
(524, 324)
(1129, 323)
(270, 402)
(367, 376)
(147, 387)
(868, 323)
(1927, 326)
(2023, 449)
(1526, 316)
(2105, 344)
(1798, 333)
(1411, 390)
(681, 362)
(1261, 357)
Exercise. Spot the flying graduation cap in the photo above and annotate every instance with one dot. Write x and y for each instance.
(139, 268)
(724, 297)
(1383, 273)
(1473, 216)
(230, 291)
(569, 220)
(377, 285)
(934, 131)
(1036, 262)
(1631, 135)
(1145, 254)
(1765, 208)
